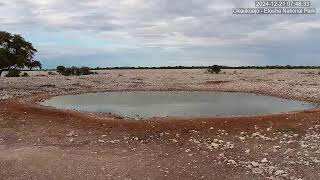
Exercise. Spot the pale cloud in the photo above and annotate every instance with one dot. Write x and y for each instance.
(182, 23)
(163, 24)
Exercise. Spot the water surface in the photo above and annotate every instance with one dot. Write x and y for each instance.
(184, 103)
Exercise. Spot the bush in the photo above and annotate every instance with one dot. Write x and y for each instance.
(13, 73)
(214, 69)
(61, 69)
(67, 72)
(75, 71)
(85, 71)
(25, 74)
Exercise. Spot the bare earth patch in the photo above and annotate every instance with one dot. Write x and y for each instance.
(45, 143)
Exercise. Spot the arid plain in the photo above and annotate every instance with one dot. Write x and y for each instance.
(45, 143)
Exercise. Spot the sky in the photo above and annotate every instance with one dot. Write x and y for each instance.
(160, 33)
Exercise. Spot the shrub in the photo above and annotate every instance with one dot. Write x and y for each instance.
(61, 69)
(74, 71)
(214, 69)
(13, 73)
(67, 72)
(85, 71)
(25, 74)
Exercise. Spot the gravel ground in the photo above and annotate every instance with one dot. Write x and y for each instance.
(44, 143)
(295, 84)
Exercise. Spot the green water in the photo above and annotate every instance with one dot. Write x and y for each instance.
(184, 103)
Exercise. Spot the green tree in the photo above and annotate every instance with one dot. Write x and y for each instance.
(15, 52)
(34, 64)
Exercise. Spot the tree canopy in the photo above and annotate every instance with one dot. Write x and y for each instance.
(16, 52)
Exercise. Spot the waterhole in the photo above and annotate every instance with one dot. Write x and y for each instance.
(173, 103)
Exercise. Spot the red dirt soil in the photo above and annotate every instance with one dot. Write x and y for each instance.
(45, 143)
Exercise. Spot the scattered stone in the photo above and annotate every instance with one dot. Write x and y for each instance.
(279, 172)
(174, 140)
(214, 145)
(255, 164)
(257, 170)
(264, 160)
(232, 162)
(101, 141)
(71, 134)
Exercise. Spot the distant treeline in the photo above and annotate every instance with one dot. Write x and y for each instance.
(206, 67)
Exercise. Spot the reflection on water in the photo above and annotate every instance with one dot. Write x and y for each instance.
(161, 104)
